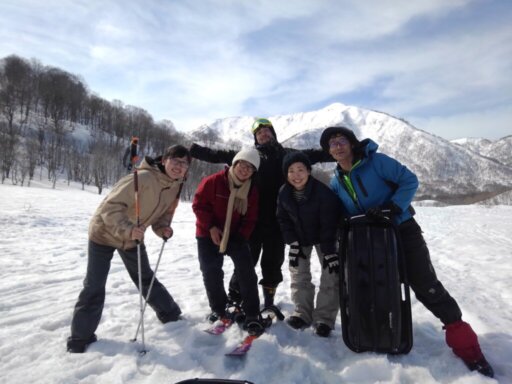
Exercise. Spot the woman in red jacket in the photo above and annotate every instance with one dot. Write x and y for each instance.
(226, 208)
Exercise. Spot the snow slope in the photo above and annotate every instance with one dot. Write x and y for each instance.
(43, 262)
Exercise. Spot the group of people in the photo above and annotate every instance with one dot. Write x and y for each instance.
(264, 200)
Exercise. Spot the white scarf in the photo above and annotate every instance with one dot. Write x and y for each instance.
(238, 192)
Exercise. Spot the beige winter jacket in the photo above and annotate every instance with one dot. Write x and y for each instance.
(115, 218)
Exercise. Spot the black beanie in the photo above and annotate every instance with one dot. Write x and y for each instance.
(332, 131)
(295, 157)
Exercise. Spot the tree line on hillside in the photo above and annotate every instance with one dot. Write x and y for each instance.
(42, 110)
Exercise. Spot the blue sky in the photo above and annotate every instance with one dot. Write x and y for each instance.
(444, 66)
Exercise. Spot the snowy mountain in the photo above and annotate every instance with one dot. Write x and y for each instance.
(448, 171)
(500, 150)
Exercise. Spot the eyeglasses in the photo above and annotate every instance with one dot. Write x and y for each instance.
(338, 143)
(181, 163)
(259, 123)
(245, 165)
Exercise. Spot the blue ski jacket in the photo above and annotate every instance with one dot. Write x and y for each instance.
(377, 180)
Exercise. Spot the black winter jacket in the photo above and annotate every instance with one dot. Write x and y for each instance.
(313, 220)
(269, 177)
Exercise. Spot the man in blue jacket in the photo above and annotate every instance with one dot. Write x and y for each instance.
(367, 182)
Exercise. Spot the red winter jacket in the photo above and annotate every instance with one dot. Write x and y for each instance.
(211, 204)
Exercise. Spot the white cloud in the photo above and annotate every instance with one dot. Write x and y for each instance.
(190, 61)
(373, 19)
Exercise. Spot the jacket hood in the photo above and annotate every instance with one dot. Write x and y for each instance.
(362, 152)
(366, 147)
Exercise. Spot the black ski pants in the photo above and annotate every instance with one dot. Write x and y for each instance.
(422, 276)
(211, 261)
(268, 242)
(89, 307)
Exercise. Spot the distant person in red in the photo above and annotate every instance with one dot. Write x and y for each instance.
(131, 155)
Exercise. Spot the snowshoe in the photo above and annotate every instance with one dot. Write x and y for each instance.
(254, 326)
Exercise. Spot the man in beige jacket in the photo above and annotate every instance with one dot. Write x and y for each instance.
(113, 227)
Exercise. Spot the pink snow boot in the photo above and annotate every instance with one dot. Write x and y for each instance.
(461, 338)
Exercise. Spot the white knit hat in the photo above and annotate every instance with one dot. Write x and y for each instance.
(251, 155)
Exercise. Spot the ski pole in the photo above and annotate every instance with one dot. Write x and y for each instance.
(139, 266)
(143, 307)
(154, 273)
(150, 288)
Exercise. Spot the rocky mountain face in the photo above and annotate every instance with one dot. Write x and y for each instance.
(458, 172)
(500, 150)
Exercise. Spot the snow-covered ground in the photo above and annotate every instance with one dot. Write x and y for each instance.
(43, 259)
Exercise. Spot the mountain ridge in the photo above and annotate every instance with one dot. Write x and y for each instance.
(448, 171)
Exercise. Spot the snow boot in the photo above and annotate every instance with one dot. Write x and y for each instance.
(268, 296)
(79, 345)
(168, 317)
(322, 330)
(296, 322)
(235, 311)
(461, 338)
(213, 317)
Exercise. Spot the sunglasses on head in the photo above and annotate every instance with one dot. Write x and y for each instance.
(260, 123)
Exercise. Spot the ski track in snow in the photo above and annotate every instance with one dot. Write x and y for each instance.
(43, 262)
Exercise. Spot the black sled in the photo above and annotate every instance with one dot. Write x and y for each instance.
(374, 293)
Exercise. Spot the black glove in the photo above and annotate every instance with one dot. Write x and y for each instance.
(375, 213)
(380, 212)
(294, 254)
(196, 150)
(331, 261)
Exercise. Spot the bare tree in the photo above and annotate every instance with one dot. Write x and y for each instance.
(14, 83)
(40, 107)
(31, 157)
(14, 172)
(84, 169)
(15, 89)
(100, 162)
